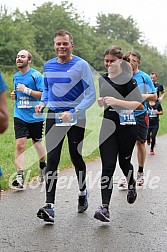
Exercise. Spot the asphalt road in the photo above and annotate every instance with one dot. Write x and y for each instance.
(141, 226)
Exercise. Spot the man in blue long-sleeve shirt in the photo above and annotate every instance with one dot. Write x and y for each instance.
(68, 92)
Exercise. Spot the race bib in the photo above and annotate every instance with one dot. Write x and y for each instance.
(59, 122)
(127, 117)
(151, 113)
(24, 102)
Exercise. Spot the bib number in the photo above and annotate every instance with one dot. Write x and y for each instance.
(151, 113)
(24, 102)
(127, 117)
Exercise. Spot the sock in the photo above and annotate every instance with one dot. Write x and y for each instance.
(105, 205)
(131, 185)
(140, 169)
(42, 165)
(20, 177)
(20, 172)
(51, 204)
(83, 193)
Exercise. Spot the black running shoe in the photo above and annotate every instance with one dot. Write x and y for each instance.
(82, 203)
(102, 213)
(46, 213)
(132, 194)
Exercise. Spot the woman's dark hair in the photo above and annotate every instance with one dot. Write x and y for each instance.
(114, 50)
(117, 51)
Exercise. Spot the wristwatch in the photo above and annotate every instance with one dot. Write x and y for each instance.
(77, 111)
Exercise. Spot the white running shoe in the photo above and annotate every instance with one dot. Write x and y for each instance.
(122, 183)
(140, 178)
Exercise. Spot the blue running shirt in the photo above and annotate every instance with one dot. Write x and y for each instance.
(69, 85)
(146, 86)
(34, 80)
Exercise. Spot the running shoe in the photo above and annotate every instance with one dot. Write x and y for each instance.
(140, 178)
(102, 213)
(122, 183)
(83, 203)
(46, 213)
(152, 153)
(132, 194)
(18, 183)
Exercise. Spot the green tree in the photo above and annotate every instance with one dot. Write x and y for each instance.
(35, 31)
(16, 34)
(116, 27)
(48, 18)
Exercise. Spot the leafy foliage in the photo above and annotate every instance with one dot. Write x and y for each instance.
(116, 27)
(35, 31)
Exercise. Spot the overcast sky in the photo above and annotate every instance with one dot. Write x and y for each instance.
(150, 16)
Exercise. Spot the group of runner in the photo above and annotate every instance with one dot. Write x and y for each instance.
(67, 90)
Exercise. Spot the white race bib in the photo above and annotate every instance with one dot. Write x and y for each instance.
(24, 102)
(151, 113)
(127, 117)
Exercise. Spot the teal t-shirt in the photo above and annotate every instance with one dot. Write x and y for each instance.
(25, 105)
(146, 86)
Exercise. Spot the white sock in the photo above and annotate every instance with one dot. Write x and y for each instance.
(83, 193)
(52, 205)
(19, 177)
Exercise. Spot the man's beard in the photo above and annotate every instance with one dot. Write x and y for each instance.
(22, 66)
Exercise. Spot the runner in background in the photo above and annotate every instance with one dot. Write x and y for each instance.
(148, 92)
(154, 110)
(159, 87)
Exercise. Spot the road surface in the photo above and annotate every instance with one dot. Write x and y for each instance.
(141, 226)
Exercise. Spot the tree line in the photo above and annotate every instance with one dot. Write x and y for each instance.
(34, 31)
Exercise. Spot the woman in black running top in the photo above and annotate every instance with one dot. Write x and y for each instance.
(119, 95)
(154, 110)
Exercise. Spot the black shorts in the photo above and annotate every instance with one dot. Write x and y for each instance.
(29, 130)
(142, 127)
